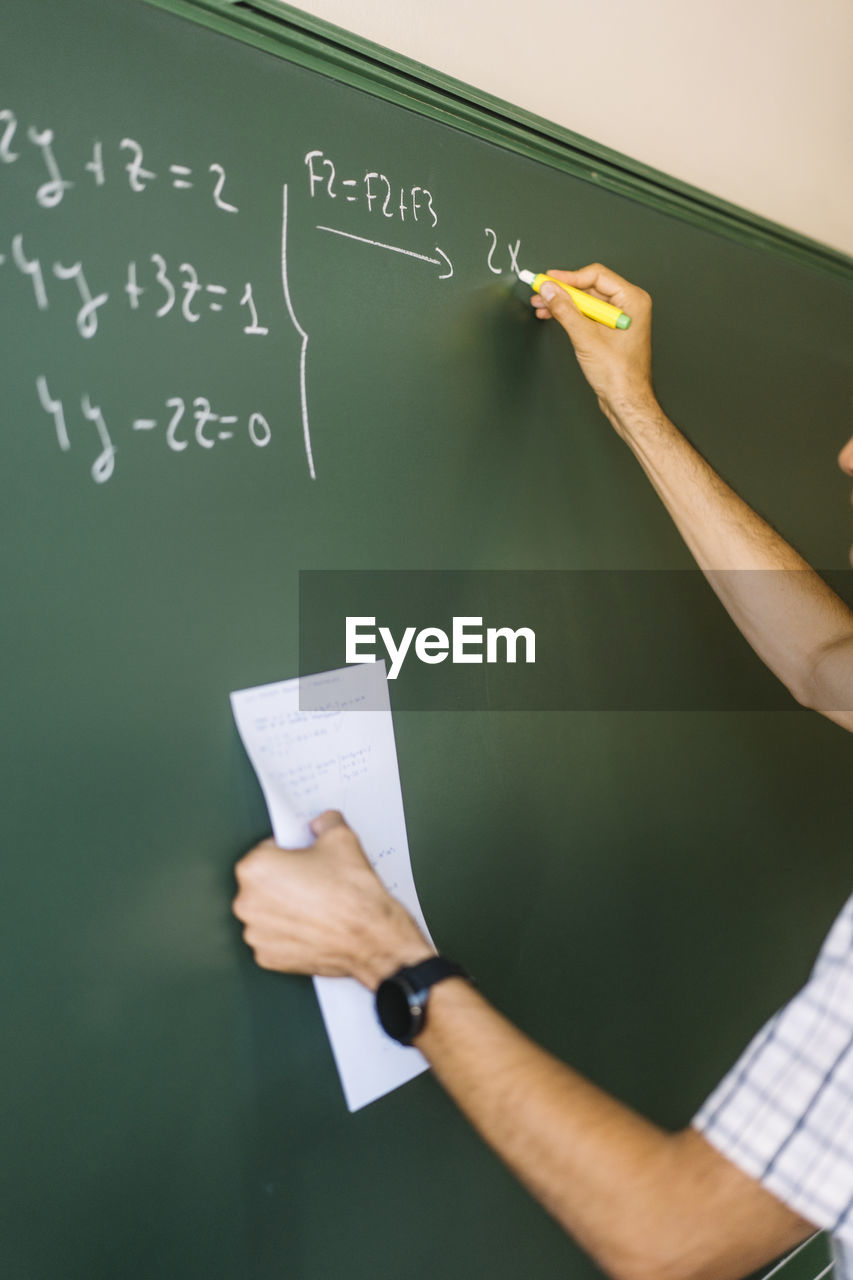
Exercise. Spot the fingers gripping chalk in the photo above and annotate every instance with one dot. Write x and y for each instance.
(593, 308)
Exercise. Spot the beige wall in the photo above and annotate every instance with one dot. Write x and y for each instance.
(749, 99)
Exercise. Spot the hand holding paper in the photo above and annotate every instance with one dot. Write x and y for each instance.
(324, 911)
(338, 755)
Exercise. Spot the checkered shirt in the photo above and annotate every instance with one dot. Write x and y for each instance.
(784, 1113)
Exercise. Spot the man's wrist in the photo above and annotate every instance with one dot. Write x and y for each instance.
(392, 943)
(632, 410)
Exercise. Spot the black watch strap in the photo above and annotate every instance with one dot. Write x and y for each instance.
(428, 972)
(401, 1000)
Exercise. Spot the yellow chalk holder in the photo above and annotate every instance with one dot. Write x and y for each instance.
(593, 308)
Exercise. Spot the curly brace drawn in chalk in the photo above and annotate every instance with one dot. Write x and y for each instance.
(303, 394)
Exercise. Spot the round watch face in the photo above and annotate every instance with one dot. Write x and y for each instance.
(398, 1019)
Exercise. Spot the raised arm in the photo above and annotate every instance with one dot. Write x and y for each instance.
(796, 624)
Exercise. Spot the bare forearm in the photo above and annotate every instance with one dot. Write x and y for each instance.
(646, 1204)
(572, 1146)
(797, 625)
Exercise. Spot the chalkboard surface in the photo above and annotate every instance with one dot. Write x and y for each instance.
(257, 321)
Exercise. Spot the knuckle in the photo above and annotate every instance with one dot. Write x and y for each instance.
(341, 837)
(252, 864)
(246, 867)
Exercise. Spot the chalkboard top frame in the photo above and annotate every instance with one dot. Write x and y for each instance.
(313, 43)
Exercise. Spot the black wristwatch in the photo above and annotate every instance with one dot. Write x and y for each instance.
(401, 1000)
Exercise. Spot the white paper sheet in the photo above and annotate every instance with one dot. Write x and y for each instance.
(336, 756)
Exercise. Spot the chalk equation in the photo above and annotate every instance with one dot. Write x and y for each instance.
(160, 286)
(372, 189)
(178, 290)
(16, 144)
(180, 427)
(513, 250)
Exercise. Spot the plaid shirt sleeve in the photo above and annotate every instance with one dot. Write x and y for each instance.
(784, 1113)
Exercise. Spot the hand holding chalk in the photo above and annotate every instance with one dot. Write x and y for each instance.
(592, 307)
(615, 361)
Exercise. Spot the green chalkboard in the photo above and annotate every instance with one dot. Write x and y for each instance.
(205, 393)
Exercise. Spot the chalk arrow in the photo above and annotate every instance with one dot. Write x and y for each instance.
(394, 248)
(449, 272)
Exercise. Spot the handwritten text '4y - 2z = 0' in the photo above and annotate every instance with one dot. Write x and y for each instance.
(209, 428)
